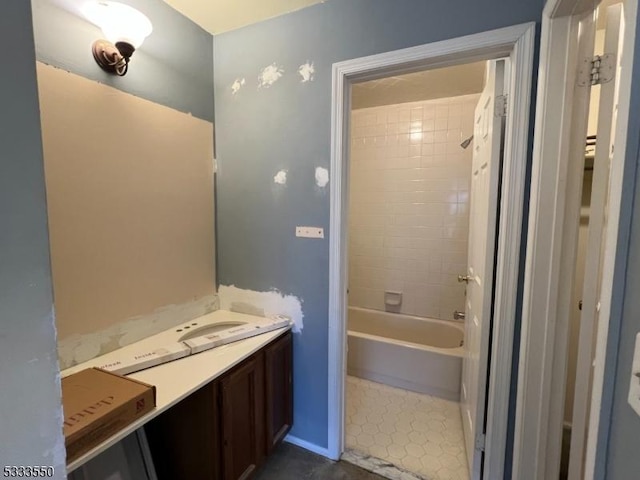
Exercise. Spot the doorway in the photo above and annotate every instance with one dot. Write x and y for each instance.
(418, 156)
(488, 439)
(587, 290)
(568, 31)
(563, 358)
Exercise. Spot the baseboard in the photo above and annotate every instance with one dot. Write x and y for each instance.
(312, 447)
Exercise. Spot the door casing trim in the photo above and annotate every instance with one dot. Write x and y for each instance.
(516, 43)
(540, 398)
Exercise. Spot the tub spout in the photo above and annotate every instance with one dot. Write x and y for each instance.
(458, 315)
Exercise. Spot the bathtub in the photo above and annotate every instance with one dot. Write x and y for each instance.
(413, 353)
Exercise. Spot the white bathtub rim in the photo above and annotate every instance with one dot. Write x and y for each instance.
(450, 323)
(453, 351)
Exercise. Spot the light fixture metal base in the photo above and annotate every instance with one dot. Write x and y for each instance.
(109, 58)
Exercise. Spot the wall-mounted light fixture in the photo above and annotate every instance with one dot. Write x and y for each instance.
(124, 27)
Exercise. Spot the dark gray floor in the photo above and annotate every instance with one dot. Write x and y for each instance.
(289, 462)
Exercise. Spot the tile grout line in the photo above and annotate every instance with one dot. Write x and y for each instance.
(415, 432)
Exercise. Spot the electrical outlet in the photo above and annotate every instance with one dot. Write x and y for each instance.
(634, 388)
(310, 232)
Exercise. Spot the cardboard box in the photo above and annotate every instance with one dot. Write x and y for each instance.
(97, 404)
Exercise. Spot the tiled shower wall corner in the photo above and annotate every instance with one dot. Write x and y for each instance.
(409, 204)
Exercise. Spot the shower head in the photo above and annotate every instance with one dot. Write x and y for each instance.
(467, 142)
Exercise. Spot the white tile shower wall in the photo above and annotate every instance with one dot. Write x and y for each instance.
(409, 204)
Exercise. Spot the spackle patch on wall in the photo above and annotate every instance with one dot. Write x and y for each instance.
(322, 177)
(262, 303)
(306, 71)
(237, 85)
(270, 75)
(57, 454)
(280, 177)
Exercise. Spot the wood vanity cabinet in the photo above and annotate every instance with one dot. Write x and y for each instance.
(241, 403)
(225, 430)
(279, 389)
(182, 439)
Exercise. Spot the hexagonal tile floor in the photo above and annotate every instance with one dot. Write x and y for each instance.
(416, 432)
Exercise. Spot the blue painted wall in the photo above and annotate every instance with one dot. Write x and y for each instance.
(287, 126)
(30, 411)
(173, 67)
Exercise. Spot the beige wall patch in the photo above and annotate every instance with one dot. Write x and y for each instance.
(130, 204)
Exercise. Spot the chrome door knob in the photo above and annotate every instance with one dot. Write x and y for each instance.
(464, 278)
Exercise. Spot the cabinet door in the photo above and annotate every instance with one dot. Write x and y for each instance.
(241, 397)
(279, 389)
(184, 440)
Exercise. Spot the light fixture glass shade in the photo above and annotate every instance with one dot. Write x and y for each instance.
(119, 22)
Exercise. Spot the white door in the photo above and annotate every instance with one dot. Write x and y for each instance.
(595, 244)
(485, 180)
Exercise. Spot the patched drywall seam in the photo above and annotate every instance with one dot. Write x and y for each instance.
(270, 75)
(280, 177)
(237, 85)
(306, 71)
(58, 453)
(80, 348)
(262, 303)
(322, 177)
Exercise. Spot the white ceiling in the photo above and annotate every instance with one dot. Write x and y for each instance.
(217, 16)
(425, 85)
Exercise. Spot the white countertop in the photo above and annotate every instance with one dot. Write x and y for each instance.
(178, 379)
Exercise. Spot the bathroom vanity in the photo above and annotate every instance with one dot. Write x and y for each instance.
(226, 429)
(219, 412)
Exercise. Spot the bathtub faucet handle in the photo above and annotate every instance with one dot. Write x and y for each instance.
(458, 315)
(464, 278)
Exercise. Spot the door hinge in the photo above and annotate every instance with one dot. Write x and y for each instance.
(501, 106)
(597, 70)
(480, 441)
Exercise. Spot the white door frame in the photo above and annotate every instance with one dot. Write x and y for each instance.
(517, 43)
(554, 196)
